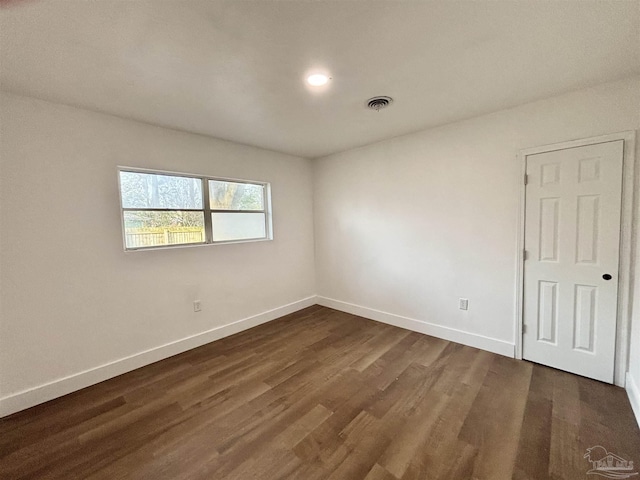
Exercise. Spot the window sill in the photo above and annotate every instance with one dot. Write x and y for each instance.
(192, 245)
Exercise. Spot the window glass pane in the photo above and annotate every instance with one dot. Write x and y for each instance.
(149, 190)
(238, 226)
(235, 196)
(153, 229)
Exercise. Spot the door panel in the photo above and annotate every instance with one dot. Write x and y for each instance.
(585, 317)
(549, 217)
(587, 242)
(572, 235)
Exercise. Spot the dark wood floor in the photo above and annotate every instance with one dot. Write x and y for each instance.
(321, 394)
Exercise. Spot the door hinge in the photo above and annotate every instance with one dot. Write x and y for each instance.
(524, 254)
(526, 178)
(524, 328)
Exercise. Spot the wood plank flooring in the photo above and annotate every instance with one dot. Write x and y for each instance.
(321, 394)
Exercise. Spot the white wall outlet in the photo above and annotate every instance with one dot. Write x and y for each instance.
(197, 306)
(463, 304)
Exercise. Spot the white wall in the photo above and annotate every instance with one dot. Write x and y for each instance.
(72, 299)
(633, 377)
(408, 225)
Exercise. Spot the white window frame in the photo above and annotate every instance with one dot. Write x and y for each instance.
(206, 209)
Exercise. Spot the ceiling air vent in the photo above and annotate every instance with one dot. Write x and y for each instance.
(378, 103)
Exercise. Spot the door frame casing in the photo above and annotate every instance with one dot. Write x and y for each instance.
(623, 316)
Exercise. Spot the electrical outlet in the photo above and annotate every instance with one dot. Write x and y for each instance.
(197, 306)
(463, 304)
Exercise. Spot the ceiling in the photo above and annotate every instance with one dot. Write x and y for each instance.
(235, 69)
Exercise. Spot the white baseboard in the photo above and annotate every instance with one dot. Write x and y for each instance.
(458, 336)
(62, 386)
(634, 396)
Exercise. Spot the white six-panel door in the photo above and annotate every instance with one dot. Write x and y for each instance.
(572, 237)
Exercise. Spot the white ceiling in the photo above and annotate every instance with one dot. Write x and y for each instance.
(235, 69)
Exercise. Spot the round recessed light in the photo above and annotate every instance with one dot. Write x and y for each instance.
(317, 80)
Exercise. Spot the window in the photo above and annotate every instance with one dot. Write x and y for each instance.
(161, 209)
